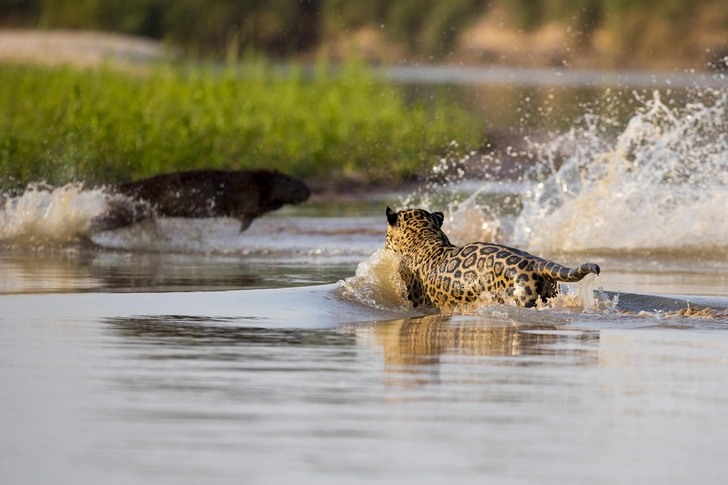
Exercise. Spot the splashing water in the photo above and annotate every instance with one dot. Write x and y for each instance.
(44, 215)
(660, 187)
(663, 186)
(377, 283)
(467, 217)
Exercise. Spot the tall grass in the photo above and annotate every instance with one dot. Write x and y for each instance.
(104, 125)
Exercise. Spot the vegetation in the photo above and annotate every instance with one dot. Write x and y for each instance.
(61, 124)
(277, 27)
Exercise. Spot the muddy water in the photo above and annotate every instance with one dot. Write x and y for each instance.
(117, 367)
(184, 351)
(262, 386)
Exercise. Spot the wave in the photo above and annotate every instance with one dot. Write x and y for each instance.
(51, 217)
(657, 187)
(662, 185)
(377, 284)
(43, 215)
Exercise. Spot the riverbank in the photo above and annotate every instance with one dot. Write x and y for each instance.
(490, 41)
(388, 155)
(61, 124)
(79, 48)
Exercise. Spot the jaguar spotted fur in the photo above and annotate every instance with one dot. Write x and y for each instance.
(441, 275)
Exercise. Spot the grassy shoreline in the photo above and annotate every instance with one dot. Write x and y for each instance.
(106, 125)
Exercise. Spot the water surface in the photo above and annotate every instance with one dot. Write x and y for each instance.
(182, 351)
(195, 386)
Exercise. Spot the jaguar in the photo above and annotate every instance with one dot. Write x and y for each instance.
(440, 275)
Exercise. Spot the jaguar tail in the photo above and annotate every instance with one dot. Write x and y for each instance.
(568, 275)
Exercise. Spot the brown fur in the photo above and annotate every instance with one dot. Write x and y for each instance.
(242, 194)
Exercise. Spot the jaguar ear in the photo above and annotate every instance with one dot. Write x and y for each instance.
(439, 218)
(391, 216)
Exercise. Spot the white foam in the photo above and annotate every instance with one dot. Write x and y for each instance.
(467, 219)
(377, 283)
(46, 215)
(662, 185)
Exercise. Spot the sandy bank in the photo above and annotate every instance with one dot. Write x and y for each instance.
(79, 48)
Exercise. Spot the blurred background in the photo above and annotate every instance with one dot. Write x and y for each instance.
(662, 34)
(338, 92)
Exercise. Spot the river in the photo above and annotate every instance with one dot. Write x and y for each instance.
(181, 351)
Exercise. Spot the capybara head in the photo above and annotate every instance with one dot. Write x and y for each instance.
(251, 193)
(278, 188)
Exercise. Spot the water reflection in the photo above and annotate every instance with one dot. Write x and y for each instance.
(417, 349)
(176, 398)
(424, 340)
(193, 331)
(76, 270)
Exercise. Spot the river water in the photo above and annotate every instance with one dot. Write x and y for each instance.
(184, 351)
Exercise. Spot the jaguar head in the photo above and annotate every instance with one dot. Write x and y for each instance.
(408, 229)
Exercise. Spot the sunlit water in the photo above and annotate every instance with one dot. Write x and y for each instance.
(119, 364)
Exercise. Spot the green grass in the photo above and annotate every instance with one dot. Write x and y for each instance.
(105, 125)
